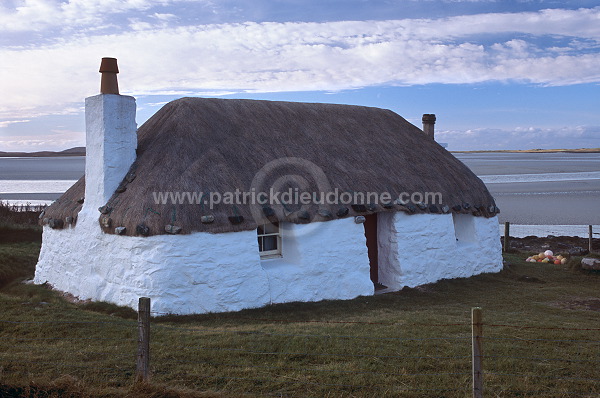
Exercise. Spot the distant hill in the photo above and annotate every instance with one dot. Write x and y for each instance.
(580, 150)
(77, 151)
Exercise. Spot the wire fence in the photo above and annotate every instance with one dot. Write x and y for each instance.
(524, 230)
(312, 358)
(516, 363)
(572, 239)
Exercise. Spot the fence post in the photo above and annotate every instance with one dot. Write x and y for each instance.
(477, 335)
(143, 354)
(506, 245)
(590, 238)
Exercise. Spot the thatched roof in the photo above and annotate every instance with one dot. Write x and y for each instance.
(220, 145)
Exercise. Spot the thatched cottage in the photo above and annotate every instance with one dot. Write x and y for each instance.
(157, 215)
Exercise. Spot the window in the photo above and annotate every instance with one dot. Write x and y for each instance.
(464, 228)
(269, 240)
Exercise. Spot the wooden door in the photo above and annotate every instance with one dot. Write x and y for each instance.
(371, 235)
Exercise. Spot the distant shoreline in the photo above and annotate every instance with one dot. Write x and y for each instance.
(580, 150)
(77, 151)
(80, 151)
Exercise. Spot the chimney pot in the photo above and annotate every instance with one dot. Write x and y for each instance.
(109, 65)
(428, 118)
(428, 124)
(109, 70)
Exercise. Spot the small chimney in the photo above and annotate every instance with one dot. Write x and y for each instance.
(111, 138)
(429, 125)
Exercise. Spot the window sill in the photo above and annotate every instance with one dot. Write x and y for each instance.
(270, 256)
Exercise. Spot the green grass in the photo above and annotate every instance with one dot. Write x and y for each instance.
(19, 250)
(413, 343)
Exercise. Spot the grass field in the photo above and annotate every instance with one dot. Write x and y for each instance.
(541, 327)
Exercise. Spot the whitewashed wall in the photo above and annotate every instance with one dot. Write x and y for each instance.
(424, 248)
(182, 274)
(110, 140)
(323, 260)
(203, 272)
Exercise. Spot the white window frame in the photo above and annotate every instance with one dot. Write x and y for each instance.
(265, 254)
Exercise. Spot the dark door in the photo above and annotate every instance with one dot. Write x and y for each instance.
(371, 235)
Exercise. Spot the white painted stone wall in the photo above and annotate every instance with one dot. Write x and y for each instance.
(111, 141)
(182, 274)
(424, 248)
(323, 260)
(204, 272)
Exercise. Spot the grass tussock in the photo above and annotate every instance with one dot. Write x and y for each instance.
(540, 324)
(20, 214)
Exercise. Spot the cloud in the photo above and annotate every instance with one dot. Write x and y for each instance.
(6, 123)
(521, 138)
(164, 17)
(58, 140)
(274, 57)
(570, 23)
(155, 104)
(28, 15)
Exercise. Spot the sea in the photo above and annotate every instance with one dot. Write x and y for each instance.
(38, 180)
(542, 194)
(538, 193)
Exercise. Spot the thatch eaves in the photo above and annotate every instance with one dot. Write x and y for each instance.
(200, 145)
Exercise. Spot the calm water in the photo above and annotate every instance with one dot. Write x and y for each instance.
(58, 168)
(531, 189)
(541, 188)
(38, 180)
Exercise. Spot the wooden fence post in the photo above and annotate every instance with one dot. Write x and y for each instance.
(590, 238)
(143, 354)
(506, 245)
(477, 336)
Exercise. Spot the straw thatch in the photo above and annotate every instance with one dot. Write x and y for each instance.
(217, 145)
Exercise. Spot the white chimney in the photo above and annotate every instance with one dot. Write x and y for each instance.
(111, 137)
(429, 124)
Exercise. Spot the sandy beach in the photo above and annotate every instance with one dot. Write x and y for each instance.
(541, 188)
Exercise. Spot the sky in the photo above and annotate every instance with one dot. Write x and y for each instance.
(514, 74)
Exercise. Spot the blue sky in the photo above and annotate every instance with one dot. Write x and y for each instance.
(498, 74)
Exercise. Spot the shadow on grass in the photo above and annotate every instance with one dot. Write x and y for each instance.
(71, 387)
(102, 307)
